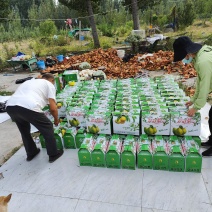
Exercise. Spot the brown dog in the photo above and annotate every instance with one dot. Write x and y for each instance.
(3, 202)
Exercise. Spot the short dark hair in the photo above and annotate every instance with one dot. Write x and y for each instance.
(47, 76)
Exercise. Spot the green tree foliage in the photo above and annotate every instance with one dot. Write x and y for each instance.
(46, 10)
(208, 8)
(186, 14)
(203, 8)
(86, 7)
(33, 15)
(81, 5)
(114, 23)
(4, 9)
(23, 7)
(47, 28)
(62, 13)
(142, 4)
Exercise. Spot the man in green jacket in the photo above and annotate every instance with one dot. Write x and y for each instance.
(201, 57)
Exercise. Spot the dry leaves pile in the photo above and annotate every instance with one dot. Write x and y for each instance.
(116, 68)
(189, 91)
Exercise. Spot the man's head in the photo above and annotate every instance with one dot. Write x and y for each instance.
(49, 77)
(183, 46)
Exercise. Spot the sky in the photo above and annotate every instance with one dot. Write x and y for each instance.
(56, 2)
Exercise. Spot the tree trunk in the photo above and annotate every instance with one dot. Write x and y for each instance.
(136, 25)
(93, 25)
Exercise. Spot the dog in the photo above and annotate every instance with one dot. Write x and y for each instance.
(4, 202)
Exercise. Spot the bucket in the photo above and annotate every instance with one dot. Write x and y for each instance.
(121, 53)
(60, 58)
(41, 64)
(82, 37)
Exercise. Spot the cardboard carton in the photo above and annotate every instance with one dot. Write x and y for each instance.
(84, 153)
(61, 108)
(99, 152)
(182, 124)
(69, 139)
(193, 156)
(160, 156)
(76, 116)
(128, 156)
(155, 124)
(144, 153)
(81, 133)
(98, 124)
(113, 155)
(176, 158)
(58, 138)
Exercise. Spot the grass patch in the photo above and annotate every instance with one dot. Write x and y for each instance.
(6, 93)
(199, 31)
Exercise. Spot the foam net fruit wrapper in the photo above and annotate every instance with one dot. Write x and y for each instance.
(116, 144)
(102, 142)
(160, 146)
(131, 144)
(176, 147)
(189, 146)
(89, 144)
(144, 145)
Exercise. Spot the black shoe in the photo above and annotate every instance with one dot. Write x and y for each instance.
(207, 152)
(30, 157)
(54, 158)
(207, 143)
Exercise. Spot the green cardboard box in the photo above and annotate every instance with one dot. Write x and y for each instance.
(160, 156)
(71, 75)
(84, 153)
(144, 153)
(69, 139)
(80, 137)
(128, 156)
(113, 155)
(193, 156)
(197, 140)
(58, 138)
(100, 149)
(176, 158)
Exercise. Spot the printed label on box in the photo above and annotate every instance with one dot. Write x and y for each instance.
(155, 124)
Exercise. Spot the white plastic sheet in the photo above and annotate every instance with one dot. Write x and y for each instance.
(4, 116)
(204, 132)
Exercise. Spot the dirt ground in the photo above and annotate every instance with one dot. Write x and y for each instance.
(9, 76)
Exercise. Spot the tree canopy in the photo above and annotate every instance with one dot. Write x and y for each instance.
(4, 9)
(142, 4)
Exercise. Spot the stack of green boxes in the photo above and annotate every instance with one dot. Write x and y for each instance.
(126, 117)
(149, 113)
(98, 118)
